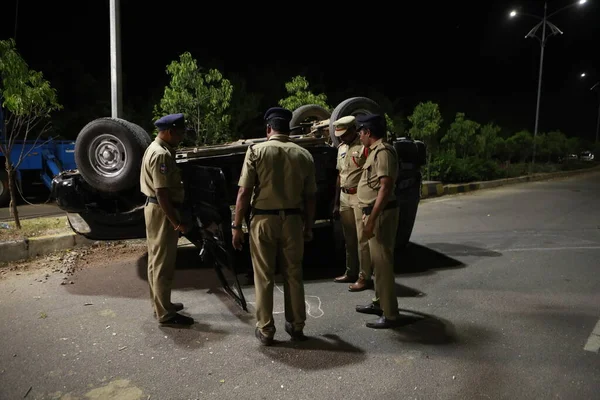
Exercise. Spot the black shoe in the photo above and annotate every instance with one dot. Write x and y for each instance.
(177, 306)
(297, 336)
(383, 323)
(177, 321)
(370, 309)
(264, 340)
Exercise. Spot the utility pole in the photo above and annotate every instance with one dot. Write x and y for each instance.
(115, 59)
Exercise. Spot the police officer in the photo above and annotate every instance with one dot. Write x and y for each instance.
(376, 197)
(278, 182)
(350, 160)
(160, 181)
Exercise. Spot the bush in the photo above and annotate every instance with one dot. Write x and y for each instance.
(450, 169)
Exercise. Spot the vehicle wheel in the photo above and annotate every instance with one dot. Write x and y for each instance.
(108, 153)
(352, 106)
(4, 193)
(309, 113)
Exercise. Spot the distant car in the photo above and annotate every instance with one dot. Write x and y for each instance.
(587, 156)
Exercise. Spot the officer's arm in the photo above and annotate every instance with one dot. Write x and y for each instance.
(162, 195)
(337, 191)
(387, 185)
(241, 204)
(246, 183)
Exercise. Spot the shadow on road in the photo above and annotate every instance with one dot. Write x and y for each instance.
(417, 327)
(319, 352)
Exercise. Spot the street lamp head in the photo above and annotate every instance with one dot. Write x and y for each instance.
(582, 1)
(583, 74)
(513, 13)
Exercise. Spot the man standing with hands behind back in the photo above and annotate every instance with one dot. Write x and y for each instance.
(278, 181)
(160, 181)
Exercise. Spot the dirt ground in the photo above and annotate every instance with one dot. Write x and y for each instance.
(67, 262)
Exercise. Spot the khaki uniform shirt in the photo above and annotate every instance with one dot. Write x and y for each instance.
(381, 161)
(350, 161)
(159, 170)
(281, 173)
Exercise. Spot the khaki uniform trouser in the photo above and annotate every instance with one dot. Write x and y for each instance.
(162, 254)
(275, 238)
(358, 257)
(382, 247)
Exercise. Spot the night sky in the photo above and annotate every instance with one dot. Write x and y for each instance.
(466, 56)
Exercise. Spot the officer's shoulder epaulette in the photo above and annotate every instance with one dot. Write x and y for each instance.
(385, 146)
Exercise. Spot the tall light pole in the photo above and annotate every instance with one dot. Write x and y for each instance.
(596, 87)
(545, 36)
(115, 60)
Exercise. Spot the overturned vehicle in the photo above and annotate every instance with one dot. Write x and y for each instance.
(103, 201)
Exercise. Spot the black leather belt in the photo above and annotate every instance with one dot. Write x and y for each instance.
(154, 200)
(352, 190)
(388, 206)
(287, 211)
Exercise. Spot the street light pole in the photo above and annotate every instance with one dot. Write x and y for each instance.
(115, 60)
(597, 87)
(539, 91)
(532, 34)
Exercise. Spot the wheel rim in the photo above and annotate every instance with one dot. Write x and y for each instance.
(107, 155)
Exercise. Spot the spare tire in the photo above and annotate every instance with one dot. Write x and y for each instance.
(352, 106)
(309, 112)
(108, 153)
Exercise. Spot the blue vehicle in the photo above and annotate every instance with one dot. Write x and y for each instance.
(42, 161)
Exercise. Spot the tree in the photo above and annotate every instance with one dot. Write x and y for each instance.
(556, 144)
(203, 97)
(521, 144)
(488, 141)
(426, 120)
(299, 95)
(461, 135)
(28, 100)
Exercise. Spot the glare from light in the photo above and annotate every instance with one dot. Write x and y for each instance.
(582, 1)
(513, 13)
(583, 74)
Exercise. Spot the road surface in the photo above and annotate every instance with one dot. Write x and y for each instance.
(500, 291)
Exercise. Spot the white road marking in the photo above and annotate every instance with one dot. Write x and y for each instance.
(593, 342)
(315, 312)
(551, 248)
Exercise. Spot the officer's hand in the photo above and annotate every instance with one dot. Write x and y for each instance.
(308, 235)
(183, 228)
(336, 212)
(368, 230)
(237, 239)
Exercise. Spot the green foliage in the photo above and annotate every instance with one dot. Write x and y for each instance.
(426, 121)
(299, 95)
(203, 97)
(27, 96)
(487, 141)
(520, 145)
(462, 136)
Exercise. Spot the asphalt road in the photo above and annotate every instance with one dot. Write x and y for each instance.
(500, 289)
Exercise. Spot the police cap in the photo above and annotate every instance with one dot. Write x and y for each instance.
(171, 121)
(343, 124)
(278, 112)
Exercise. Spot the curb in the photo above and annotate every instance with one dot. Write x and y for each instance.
(16, 250)
(436, 189)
